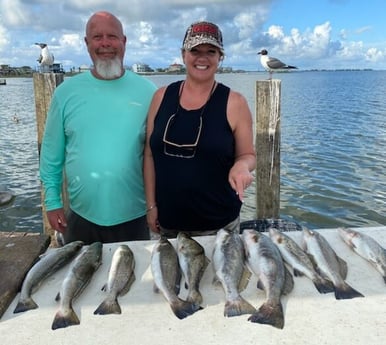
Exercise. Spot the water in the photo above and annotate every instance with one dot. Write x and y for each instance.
(19, 157)
(333, 140)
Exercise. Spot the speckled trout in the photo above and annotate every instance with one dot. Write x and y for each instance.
(193, 262)
(328, 263)
(121, 277)
(265, 260)
(167, 277)
(47, 265)
(78, 276)
(367, 247)
(231, 272)
(299, 260)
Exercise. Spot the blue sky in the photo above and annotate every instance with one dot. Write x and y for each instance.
(310, 34)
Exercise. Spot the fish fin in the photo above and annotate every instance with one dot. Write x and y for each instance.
(57, 298)
(216, 282)
(313, 261)
(194, 296)
(323, 285)
(297, 273)
(288, 282)
(246, 276)
(346, 292)
(128, 285)
(384, 279)
(186, 285)
(269, 314)
(183, 309)
(177, 285)
(108, 306)
(104, 287)
(206, 263)
(260, 285)
(342, 267)
(238, 307)
(63, 320)
(156, 289)
(24, 305)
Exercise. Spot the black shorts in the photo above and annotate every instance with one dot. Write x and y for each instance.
(80, 229)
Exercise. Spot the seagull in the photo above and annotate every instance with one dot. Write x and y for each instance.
(46, 58)
(272, 64)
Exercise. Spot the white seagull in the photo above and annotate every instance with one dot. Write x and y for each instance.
(272, 64)
(46, 58)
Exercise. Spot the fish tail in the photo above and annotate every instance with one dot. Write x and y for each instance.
(238, 307)
(323, 285)
(269, 314)
(183, 309)
(108, 306)
(65, 319)
(24, 305)
(345, 291)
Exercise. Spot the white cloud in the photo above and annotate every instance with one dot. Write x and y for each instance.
(155, 29)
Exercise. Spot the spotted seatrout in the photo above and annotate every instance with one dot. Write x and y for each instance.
(193, 262)
(47, 265)
(265, 260)
(299, 260)
(231, 272)
(366, 247)
(167, 276)
(328, 263)
(77, 278)
(121, 277)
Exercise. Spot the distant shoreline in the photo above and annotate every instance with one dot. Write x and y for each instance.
(70, 74)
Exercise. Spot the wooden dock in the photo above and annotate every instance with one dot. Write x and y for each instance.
(18, 252)
(311, 318)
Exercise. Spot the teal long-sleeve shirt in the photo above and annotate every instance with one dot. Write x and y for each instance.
(95, 131)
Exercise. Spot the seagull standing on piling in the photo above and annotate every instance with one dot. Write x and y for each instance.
(46, 58)
(272, 64)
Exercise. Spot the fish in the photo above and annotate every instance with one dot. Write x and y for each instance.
(298, 259)
(167, 277)
(77, 278)
(367, 247)
(47, 265)
(265, 261)
(328, 263)
(231, 272)
(193, 263)
(120, 279)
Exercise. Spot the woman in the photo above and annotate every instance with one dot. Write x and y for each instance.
(199, 151)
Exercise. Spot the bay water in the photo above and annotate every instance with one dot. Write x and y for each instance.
(333, 142)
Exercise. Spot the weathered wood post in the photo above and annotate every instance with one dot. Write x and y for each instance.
(44, 86)
(267, 141)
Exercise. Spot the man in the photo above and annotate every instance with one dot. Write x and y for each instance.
(95, 131)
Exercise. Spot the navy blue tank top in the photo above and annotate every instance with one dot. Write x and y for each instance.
(192, 188)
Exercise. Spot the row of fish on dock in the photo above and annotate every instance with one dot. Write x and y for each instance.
(235, 257)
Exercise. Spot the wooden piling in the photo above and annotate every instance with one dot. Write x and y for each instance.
(44, 87)
(267, 141)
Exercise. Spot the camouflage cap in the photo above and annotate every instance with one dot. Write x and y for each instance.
(203, 33)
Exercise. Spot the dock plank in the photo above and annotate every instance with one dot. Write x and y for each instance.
(18, 252)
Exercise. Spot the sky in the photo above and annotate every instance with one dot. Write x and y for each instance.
(310, 34)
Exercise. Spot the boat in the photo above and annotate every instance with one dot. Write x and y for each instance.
(3, 82)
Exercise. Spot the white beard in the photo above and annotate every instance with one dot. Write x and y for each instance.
(109, 69)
